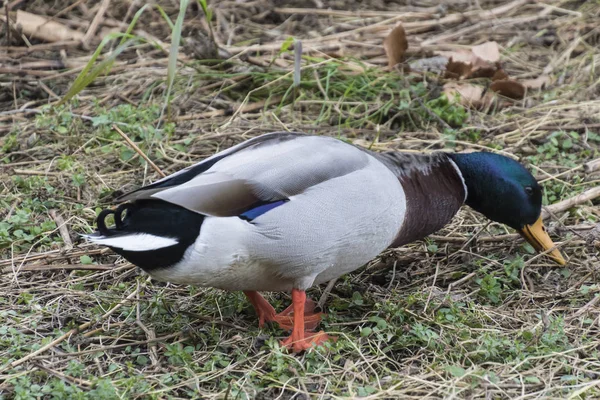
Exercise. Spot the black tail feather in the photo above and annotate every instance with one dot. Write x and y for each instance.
(153, 217)
(100, 221)
(117, 215)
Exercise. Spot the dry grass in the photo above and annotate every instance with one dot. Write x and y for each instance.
(466, 313)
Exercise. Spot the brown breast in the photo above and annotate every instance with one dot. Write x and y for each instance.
(434, 192)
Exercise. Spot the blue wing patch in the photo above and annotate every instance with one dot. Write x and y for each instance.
(260, 210)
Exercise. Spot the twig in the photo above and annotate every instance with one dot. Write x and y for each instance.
(585, 308)
(68, 334)
(6, 10)
(243, 109)
(393, 275)
(499, 238)
(588, 195)
(437, 270)
(45, 29)
(138, 150)
(33, 172)
(150, 334)
(95, 22)
(22, 72)
(426, 12)
(460, 239)
(592, 166)
(447, 36)
(53, 255)
(62, 229)
(326, 292)
(459, 282)
(213, 320)
(41, 47)
(20, 111)
(70, 379)
(67, 267)
(117, 346)
(383, 26)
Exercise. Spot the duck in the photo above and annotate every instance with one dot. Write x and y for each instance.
(285, 211)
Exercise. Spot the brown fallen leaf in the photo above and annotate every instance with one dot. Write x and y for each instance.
(508, 88)
(461, 70)
(395, 45)
(467, 94)
(481, 61)
(457, 69)
(499, 75)
(45, 29)
(460, 55)
(468, 91)
(473, 96)
(487, 51)
(537, 83)
(483, 72)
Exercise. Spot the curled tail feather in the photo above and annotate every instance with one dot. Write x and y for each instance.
(118, 217)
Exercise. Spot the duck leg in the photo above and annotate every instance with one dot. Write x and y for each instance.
(266, 312)
(285, 319)
(300, 339)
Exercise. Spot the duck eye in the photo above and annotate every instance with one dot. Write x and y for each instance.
(529, 190)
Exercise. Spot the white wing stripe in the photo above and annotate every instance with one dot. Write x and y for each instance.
(134, 241)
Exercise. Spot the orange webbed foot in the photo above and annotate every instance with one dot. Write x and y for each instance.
(264, 310)
(285, 319)
(286, 322)
(302, 339)
(305, 341)
(300, 318)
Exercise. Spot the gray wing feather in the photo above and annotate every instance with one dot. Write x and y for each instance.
(188, 173)
(218, 195)
(269, 170)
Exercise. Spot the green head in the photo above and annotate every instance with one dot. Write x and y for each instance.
(504, 191)
(500, 188)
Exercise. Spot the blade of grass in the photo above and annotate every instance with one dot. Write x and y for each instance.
(89, 73)
(207, 15)
(173, 53)
(297, 62)
(134, 21)
(165, 17)
(207, 11)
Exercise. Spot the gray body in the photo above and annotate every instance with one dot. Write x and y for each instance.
(345, 206)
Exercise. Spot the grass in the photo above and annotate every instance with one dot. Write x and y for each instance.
(465, 313)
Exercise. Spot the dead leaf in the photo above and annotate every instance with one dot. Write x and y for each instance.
(45, 29)
(481, 61)
(537, 83)
(457, 69)
(468, 94)
(460, 55)
(482, 72)
(473, 96)
(395, 45)
(499, 75)
(508, 88)
(462, 70)
(487, 51)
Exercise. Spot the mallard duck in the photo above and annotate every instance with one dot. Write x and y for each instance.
(286, 211)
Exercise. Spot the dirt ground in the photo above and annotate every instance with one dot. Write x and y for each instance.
(470, 312)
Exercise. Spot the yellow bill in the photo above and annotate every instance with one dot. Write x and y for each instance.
(537, 236)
